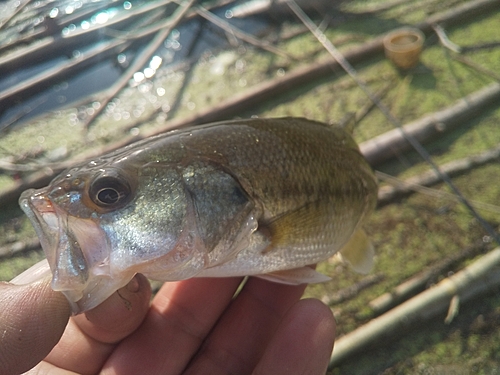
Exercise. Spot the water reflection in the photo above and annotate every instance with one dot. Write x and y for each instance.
(54, 12)
(77, 30)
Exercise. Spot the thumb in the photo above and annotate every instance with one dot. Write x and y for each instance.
(32, 320)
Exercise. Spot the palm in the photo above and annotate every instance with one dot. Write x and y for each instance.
(196, 327)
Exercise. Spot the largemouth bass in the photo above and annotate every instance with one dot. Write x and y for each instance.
(263, 197)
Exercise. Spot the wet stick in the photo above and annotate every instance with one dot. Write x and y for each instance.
(473, 281)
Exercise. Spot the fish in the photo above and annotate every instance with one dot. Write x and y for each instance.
(264, 197)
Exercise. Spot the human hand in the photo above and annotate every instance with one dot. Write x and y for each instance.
(190, 327)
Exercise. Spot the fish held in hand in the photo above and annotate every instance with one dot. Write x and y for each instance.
(263, 197)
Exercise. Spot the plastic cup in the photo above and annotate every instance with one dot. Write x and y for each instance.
(403, 47)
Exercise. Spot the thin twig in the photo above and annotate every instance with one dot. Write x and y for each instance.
(474, 280)
(46, 78)
(46, 48)
(349, 69)
(187, 77)
(387, 145)
(13, 15)
(381, 7)
(19, 247)
(481, 46)
(5, 125)
(352, 290)
(467, 61)
(139, 62)
(420, 281)
(241, 34)
(377, 150)
(356, 117)
(399, 189)
(445, 41)
(411, 185)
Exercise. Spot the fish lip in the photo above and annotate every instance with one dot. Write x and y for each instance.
(85, 288)
(50, 226)
(41, 212)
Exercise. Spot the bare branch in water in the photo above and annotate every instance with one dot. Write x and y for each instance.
(473, 281)
(419, 183)
(420, 281)
(141, 60)
(19, 247)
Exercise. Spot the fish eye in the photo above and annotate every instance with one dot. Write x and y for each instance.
(109, 192)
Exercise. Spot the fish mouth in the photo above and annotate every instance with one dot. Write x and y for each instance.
(43, 217)
(77, 251)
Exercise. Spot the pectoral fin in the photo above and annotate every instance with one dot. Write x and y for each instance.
(296, 276)
(358, 252)
(297, 227)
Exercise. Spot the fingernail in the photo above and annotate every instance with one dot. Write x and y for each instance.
(35, 273)
(133, 285)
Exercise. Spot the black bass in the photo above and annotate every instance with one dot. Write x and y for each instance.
(263, 197)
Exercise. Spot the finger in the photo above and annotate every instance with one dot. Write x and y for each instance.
(120, 314)
(32, 319)
(45, 368)
(237, 343)
(302, 343)
(181, 315)
(90, 338)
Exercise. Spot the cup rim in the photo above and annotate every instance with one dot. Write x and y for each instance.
(406, 31)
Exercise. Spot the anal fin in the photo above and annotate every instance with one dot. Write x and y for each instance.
(296, 276)
(359, 252)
